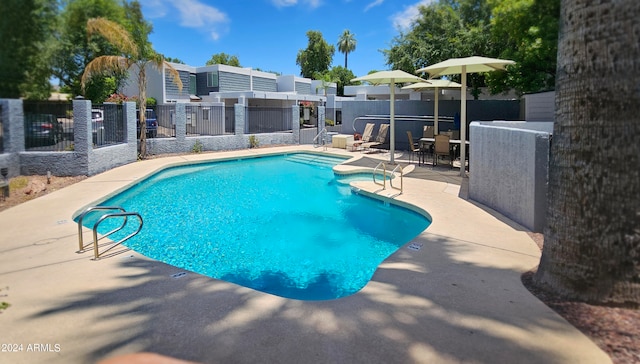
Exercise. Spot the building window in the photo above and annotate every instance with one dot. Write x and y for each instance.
(192, 84)
(212, 79)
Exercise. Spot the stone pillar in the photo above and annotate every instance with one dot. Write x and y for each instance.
(13, 135)
(180, 119)
(82, 133)
(295, 123)
(241, 124)
(321, 118)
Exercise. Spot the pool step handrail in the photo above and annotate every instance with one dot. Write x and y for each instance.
(323, 134)
(384, 175)
(401, 175)
(96, 251)
(84, 213)
(122, 213)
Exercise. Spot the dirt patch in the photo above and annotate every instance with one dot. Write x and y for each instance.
(615, 330)
(25, 188)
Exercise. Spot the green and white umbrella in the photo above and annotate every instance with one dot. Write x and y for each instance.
(462, 66)
(390, 78)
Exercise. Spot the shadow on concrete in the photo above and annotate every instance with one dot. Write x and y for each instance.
(420, 307)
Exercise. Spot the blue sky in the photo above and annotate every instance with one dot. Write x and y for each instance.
(268, 34)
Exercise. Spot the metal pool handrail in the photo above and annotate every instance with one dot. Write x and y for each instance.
(384, 175)
(96, 253)
(88, 210)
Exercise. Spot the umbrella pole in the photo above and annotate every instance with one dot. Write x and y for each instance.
(435, 114)
(463, 122)
(392, 123)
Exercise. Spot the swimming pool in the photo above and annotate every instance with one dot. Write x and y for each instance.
(278, 224)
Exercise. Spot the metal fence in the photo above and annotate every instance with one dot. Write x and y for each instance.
(205, 120)
(230, 120)
(268, 119)
(1, 133)
(166, 115)
(108, 125)
(48, 125)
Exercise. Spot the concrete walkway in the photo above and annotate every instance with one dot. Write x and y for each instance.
(458, 299)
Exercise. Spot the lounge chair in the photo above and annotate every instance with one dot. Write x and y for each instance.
(381, 140)
(367, 134)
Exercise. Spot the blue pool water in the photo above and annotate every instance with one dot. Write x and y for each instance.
(278, 224)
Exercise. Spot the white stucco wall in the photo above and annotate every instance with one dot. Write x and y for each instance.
(509, 169)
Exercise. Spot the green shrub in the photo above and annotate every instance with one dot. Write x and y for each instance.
(253, 141)
(197, 147)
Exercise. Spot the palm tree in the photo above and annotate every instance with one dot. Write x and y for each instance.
(592, 239)
(346, 44)
(136, 55)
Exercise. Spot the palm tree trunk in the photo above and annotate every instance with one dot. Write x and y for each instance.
(592, 240)
(142, 95)
(345, 60)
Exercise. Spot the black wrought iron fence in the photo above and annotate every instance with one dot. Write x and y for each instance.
(48, 125)
(1, 133)
(230, 120)
(205, 120)
(108, 125)
(166, 117)
(268, 119)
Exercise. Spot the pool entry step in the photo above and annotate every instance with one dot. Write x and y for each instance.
(314, 159)
(121, 214)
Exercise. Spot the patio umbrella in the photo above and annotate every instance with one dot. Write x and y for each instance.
(390, 78)
(462, 66)
(435, 84)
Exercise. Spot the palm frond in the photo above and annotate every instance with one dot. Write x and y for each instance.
(175, 75)
(102, 65)
(113, 33)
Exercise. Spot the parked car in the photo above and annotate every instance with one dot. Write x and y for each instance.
(152, 123)
(42, 129)
(97, 126)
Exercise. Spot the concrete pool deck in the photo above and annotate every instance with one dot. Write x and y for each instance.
(455, 298)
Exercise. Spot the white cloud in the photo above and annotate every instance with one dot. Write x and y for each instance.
(190, 14)
(403, 20)
(285, 3)
(373, 4)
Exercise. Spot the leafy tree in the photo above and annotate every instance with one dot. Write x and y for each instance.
(27, 31)
(136, 54)
(342, 77)
(223, 58)
(75, 50)
(529, 30)
(433, 37)
(173, 60)
(347, 44)
(592, 239)
(317, 57)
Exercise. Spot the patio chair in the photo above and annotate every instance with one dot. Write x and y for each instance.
(414, 148)
(366, 137)
(381, 140)
(442, 149)
(427, 131)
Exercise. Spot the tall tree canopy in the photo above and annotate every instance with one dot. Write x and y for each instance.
(27, 31)
(347, 44)
(223, 58)
(521, 30)
(592, 240)
(317, 57)
(75, 50)
(529, 33)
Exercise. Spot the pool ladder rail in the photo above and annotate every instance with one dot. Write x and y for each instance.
(321, 139)
(384, 177)
(122, 214)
